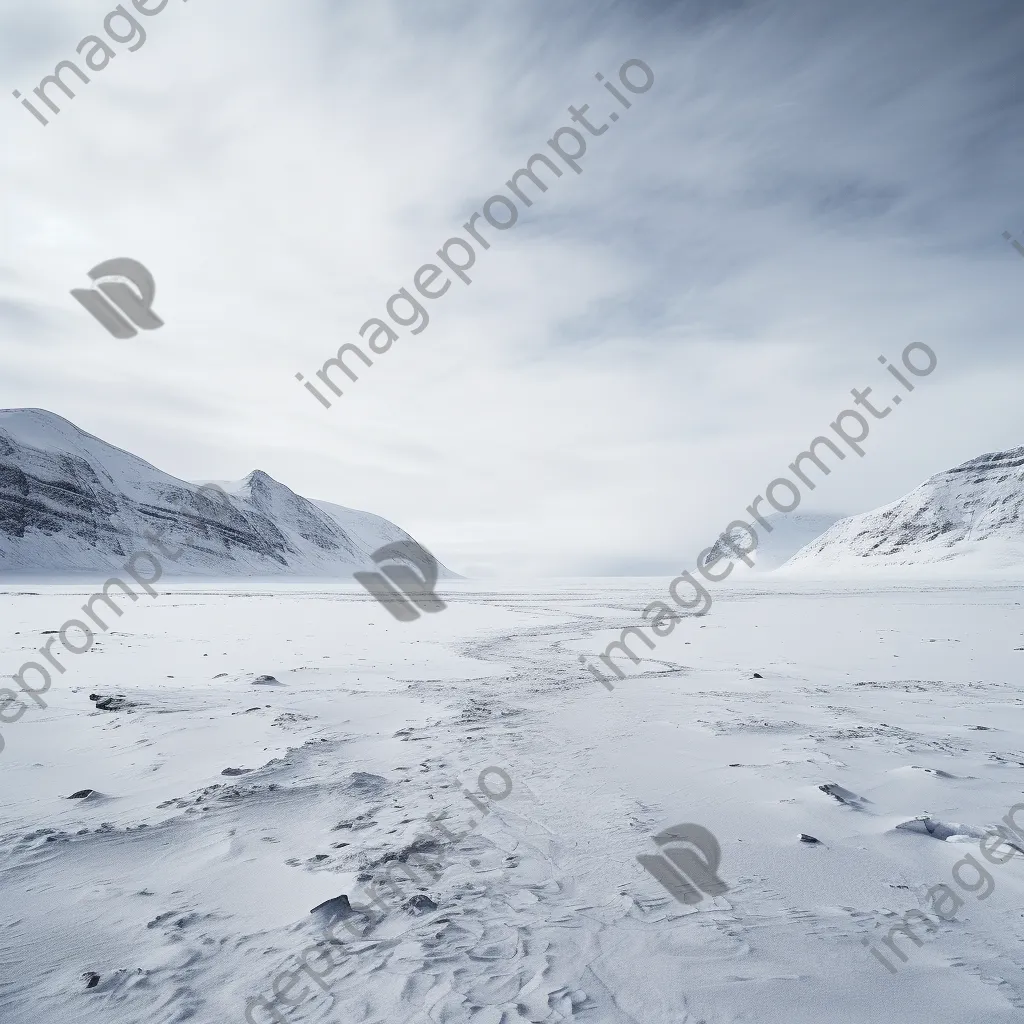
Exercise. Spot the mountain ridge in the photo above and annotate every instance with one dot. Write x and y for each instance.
(971, 513)
(71, 502)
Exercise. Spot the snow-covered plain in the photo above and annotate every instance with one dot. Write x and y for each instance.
(186, 891)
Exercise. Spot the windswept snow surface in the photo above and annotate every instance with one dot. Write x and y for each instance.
(972, 514)
(184, 890)
(70, 502)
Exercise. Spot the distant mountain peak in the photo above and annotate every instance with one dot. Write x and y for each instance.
(788, 534)
(71, 502)
(972, 512)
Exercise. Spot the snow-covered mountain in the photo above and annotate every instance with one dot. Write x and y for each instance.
(70, 502)
(789, 533)
(970, 514)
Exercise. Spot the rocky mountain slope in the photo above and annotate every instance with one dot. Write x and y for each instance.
(70, 502)
(971, 513)
(789, 533)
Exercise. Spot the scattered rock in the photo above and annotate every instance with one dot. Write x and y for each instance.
(337, 909)
(266, 681)
(420, 904)
(934, 771)
(804, 838)
(236, 771)
(950, 830)
(114, 702)
(422, 848)
(365, 784)
(844, 796)
(1006, 760)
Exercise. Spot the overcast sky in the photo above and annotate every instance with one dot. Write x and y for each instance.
(807, 185)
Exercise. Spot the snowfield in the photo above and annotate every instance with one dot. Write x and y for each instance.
(178, 892)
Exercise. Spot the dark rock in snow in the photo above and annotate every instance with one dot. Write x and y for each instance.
(338, 906)
(337, 909)
(236, 771)
(427, 853)
(365, 784)
(116, 702)
(804, 838)
(844, 796)
(82, 794)
(420, 904)
(944, 830)
(266, 681)
(91, 979)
